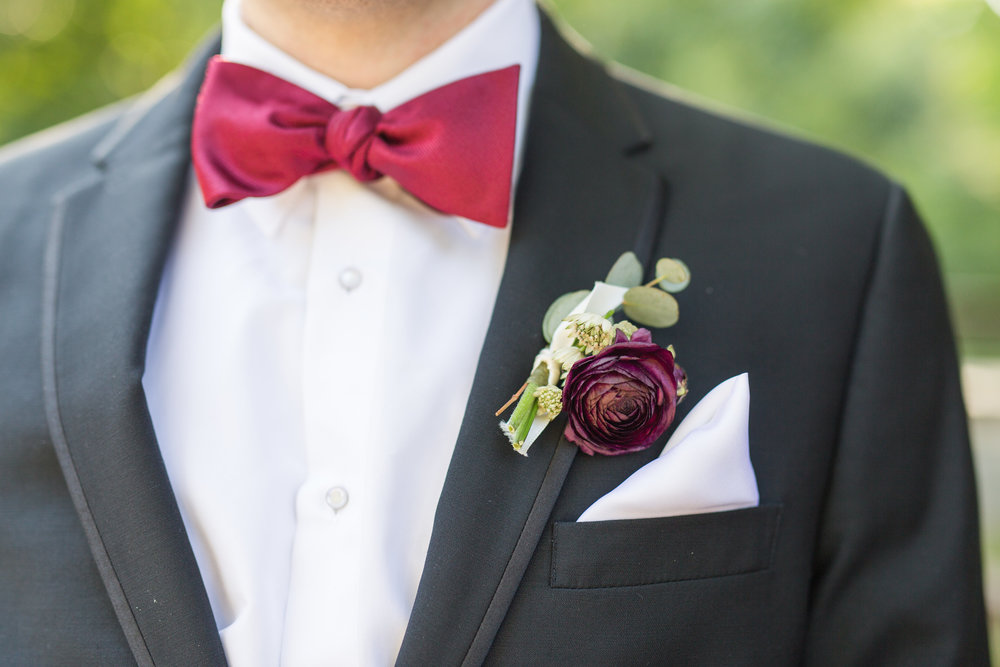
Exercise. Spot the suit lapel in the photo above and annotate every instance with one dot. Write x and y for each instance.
(581, 202)
(109, 235)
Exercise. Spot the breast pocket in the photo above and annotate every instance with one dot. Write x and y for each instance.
(635, 552)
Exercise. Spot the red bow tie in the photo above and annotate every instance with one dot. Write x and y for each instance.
(255, 135)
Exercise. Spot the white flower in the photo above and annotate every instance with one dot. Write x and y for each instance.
(549, 401)
(591, 333)
(566, 357)
(552, 364)
(562, 338)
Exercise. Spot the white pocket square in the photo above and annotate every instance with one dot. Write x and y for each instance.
(704, 467)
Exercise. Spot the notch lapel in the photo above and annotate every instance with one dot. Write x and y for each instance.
(581, 202)
(109, 235)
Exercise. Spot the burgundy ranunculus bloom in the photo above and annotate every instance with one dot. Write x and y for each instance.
(623, 398)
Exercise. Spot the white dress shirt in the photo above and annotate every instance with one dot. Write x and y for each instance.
(309, 362)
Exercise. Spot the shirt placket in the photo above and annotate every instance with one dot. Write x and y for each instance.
(343, 332)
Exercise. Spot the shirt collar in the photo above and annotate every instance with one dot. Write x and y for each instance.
(506, 33)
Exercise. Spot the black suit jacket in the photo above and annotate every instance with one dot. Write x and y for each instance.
(811, 272)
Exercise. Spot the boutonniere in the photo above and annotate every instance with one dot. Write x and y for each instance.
(619, 389)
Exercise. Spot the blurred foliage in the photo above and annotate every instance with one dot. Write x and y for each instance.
(59, 58)
(910, 85)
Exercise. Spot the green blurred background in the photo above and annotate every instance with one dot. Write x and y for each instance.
(912, 86)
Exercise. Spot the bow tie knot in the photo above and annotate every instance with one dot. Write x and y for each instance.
(349, 137)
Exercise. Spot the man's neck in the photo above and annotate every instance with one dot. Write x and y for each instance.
(360, 43)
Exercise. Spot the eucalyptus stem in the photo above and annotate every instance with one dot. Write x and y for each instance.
(655, 281)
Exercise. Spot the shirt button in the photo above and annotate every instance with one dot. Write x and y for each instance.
(336, 498)
(350, 278)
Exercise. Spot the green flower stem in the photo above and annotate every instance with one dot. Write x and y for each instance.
(525, 405)
(526, 409)
(524, 426)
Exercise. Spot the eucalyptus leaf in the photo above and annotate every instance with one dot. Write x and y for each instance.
(673, 274)
(627, 271)
(558, 311)
(651, 307)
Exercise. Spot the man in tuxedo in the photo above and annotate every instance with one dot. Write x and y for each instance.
(248, 414)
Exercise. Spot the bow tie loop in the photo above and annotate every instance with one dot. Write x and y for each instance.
(349, 137)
